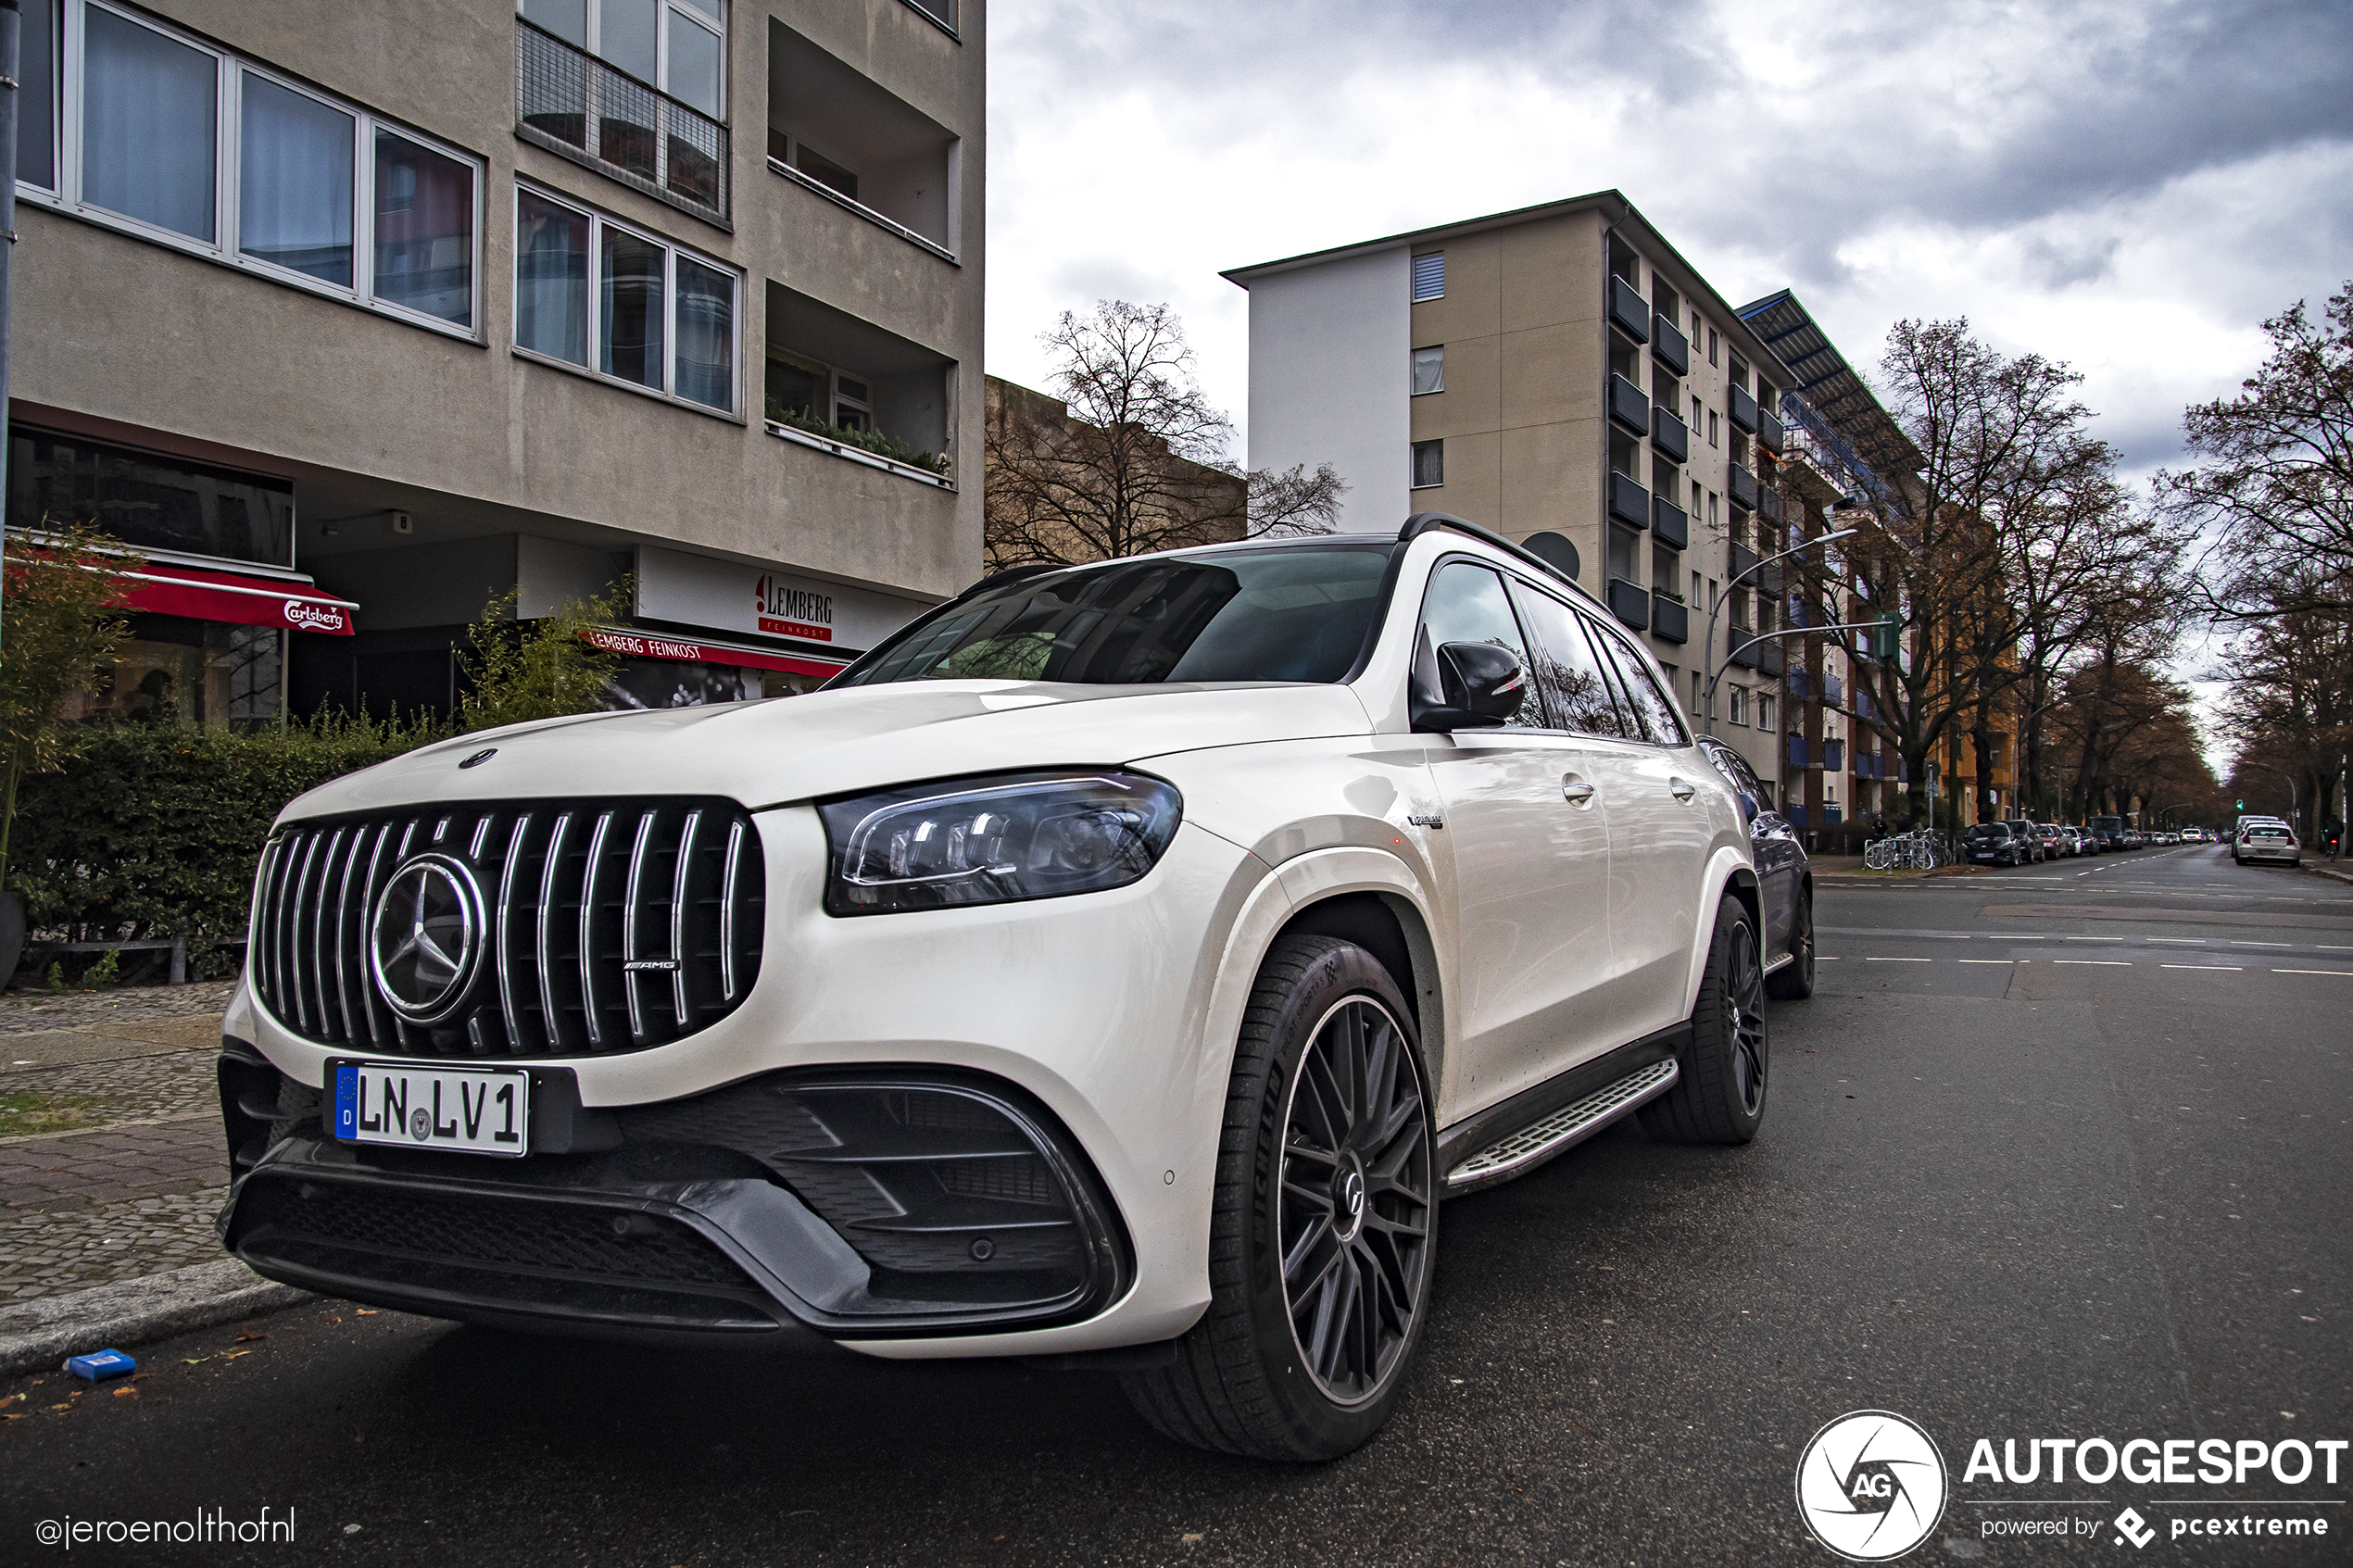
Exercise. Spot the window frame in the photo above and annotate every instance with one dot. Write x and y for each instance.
(1414, 295)
(229, 71)
(598, 221)
(1413, 461)
(592, 26)
(1414, 365)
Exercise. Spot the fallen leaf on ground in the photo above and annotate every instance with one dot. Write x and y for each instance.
(248, 1338)
(194, 1361)
(233, 1355)
(126, 1393)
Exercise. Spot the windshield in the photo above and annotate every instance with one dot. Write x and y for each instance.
(1988, 830)
(1243, 615)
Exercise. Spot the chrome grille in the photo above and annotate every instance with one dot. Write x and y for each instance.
(612, 926)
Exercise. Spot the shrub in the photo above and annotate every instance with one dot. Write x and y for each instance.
(153, 831)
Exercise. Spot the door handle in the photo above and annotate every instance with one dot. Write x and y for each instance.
(1576, 791)
(1681, 789)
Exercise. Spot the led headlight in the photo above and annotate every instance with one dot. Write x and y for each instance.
(994, 840)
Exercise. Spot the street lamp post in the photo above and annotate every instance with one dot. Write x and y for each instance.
(1708, 702)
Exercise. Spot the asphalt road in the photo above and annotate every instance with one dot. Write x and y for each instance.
(2059, 1152)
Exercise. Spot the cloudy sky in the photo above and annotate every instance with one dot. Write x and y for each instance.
(2131, 187)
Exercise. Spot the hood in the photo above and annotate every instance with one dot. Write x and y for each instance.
(830, 741)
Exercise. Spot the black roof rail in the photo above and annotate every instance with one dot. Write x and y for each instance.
(1428, 522)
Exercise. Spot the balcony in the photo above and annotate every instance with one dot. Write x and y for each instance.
(1629, 406)
(1670, 347)
(1742, 489)
(839, 135)
(943, 12)
(1797, 751)
(1629, 502)
(1630, 604)
(1628, 312)
(1743, 410)
(841, 385)
(1669, 524)
(1768, 501)
(575, 104)
(1768, 658)
(1670, 619)
(1769, 431)
(1801, 686)
(1742, 559)
(1670, 435)
(1833, 691)
(1739, 646)
(1833, 756)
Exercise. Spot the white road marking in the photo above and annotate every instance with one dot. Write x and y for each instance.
(2232, 967)
(1899, 960)
(2347, 972)
(1985, 961)
(2096, 963)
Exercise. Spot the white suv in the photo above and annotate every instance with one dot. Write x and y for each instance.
(1113, 968)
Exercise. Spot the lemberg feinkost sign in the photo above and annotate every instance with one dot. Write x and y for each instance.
(692, 590)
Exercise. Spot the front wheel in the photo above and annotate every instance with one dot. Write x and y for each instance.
(1794, 982)
(1719, 1096)
(1323, 1235)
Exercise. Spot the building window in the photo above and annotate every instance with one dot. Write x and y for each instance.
(1715, 428)
(188, 145)
(1697, 683)
(1738, 710)
(1711, 509)
(1696, 600)
(679, 46)
(664, 320)
(1711, 345)
(1429, 464)
(1429, 370)
(1764, 712)
(1430, 276)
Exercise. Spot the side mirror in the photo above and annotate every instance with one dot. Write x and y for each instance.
(1477, 687)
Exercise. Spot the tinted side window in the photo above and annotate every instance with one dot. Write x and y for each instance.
(1467, 603)
(1659, 721)
(1567, 670)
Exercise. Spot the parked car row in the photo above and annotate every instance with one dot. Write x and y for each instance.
(2019, 841)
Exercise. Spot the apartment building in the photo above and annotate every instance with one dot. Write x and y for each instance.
(350, 320)
(1562, 375)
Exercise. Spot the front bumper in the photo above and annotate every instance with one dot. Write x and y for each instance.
(1088, 1011)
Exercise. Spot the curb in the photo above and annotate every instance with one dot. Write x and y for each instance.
(42, 1331)
(2323, 870)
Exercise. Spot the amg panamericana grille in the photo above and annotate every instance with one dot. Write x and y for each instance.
(609, 925)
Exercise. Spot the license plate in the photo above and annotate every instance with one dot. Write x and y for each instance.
(473, 1110)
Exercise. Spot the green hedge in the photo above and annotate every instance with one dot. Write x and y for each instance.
(152, 830)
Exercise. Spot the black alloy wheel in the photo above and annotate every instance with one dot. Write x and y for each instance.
(1354, 1209)
(1794, 982)
(1720, 1095)
(1323, 1238)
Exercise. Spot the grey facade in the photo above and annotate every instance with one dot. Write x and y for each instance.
(737, 322)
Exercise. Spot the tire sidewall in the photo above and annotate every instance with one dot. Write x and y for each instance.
(1712, 1033)
(1319, 1424)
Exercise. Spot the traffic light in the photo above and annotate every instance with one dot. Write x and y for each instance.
(2242, 805)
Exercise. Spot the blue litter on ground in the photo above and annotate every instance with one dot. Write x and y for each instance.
(100, 1364)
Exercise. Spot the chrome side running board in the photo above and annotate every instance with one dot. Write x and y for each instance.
(1532, 1145)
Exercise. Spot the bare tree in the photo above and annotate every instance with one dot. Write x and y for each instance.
(1138, 460)
(2276, 481)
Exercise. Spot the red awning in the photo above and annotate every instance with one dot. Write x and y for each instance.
(236, 598)
(640, 645)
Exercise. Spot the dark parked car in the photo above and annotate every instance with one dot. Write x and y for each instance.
(1995, 844)
(1784, 876)
(2030, 835)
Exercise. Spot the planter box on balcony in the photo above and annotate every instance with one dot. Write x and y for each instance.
(1743, 410)
(1629, 502)
(1669, 524)
(1743, 488)
(1630, 604)
(1628, 312)
(1670, 347)
(1670, 435)
(1670, 619)
(1628, 405)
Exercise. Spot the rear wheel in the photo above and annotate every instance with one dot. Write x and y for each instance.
(1794, 982)
(1720, 1097)
(1324, 1226)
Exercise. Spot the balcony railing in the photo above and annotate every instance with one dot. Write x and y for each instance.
(1768, 658)
(1743, 410)
(1769, 431)
(1670, 619)
(1669, 524)
(1628, 312)
(1741, 646)
(1768, 501)
(570, 101)
(1628, 405)
(1833, 690)
(1742, 558)
(1797, 751)
(1630, 604)
(1629, 502)
(1834, 756)
(1670, 435)
(1669, 347)
(1743, 488)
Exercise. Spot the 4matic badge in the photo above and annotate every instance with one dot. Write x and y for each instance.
(1871, 1485)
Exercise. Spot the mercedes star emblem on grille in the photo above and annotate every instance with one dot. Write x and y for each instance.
(426, 939)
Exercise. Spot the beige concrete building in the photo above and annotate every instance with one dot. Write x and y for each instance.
(352, 318)
(1561, 375)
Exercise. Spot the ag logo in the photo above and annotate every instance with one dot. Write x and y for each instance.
(1871, 1485)
(427, 938)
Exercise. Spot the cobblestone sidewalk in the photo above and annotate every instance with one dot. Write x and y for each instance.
(135, 1193)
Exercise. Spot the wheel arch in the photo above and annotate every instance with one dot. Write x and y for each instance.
(1729, 875)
